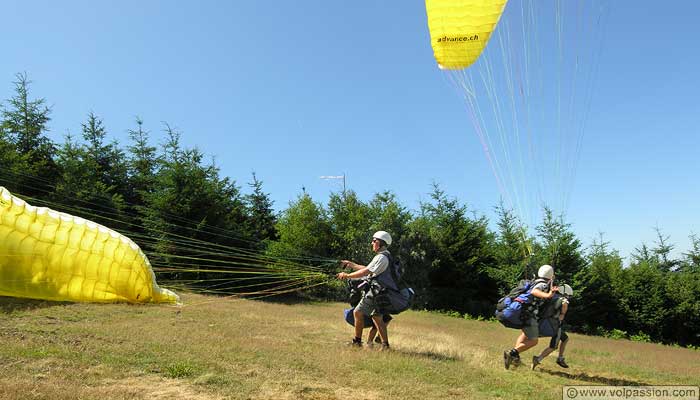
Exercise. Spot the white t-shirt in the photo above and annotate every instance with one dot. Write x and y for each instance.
(379, 264)
(543, 286)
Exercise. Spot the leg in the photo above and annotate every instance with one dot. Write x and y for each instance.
(553, 343)
(372, 334)
(524, 344)
(512, 356)
(381, 327)
(547, 351)
(359, 322)
(528, 337)
(562, 347)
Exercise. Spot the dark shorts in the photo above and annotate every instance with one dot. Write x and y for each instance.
(350, 318)
(531, 329)
(556, 339)
(367, 306)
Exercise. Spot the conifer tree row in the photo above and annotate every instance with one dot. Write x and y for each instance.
(456, 258)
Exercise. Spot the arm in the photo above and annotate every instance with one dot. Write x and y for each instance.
(360, 270)
(544, 295)
(350, 264)
(564, 309)
(364, 271)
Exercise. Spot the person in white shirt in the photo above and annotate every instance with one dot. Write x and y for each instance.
(376, 270)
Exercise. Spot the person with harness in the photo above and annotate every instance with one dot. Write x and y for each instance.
(552, 324)
(379, 275)
(541, 290)
(356, 288)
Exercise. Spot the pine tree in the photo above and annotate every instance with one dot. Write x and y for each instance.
(350, 221)
(110, 161)
(558, 247)
(77, 173)
(511, 250)
(11, 164)
(663, 251)
(190, 200)
(24, 123)
(387, 214)
(262, 219)
(596, 301)
(304, 231)
(691, 262)
(463, 251)
(682, 289)
(142, 164)
(643, 300)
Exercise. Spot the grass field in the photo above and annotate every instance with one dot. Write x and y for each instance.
(215, 348)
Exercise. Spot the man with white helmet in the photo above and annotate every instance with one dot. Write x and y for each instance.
(377, 270)
(542, 289)
(552, 318)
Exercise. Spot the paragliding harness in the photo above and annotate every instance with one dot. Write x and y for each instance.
(517, 308)
(389, 300)
(356, 288)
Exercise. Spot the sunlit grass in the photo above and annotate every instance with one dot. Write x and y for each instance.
(240, 349)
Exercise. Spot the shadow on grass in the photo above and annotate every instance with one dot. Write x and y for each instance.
(582, 376)
(8, 305)
(430, 355)
(288, 300)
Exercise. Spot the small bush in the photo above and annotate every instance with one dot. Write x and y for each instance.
(641, 337)
(616, 334)
(180, 369)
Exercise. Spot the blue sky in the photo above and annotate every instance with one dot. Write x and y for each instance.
(296, 90)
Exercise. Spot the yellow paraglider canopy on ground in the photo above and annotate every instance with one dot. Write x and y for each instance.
(460, 29)
(45, 254)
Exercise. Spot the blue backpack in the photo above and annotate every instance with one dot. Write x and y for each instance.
(515, 309)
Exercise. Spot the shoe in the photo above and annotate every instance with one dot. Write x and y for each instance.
(355, 342)
(562, 363)
(507, 359)
(516, 361)
(385, 347)
(535, 362)
(377, 339)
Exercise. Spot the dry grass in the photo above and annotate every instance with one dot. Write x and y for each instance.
(239, 349)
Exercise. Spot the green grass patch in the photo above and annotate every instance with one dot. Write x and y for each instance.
(216, 348)
(180, 369)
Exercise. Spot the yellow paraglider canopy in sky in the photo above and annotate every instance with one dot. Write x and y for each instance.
(460, 29)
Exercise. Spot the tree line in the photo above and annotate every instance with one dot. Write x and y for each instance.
(452, 257)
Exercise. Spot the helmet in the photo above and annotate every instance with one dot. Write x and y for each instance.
(383, 235)
(566, 290)
(546, 271)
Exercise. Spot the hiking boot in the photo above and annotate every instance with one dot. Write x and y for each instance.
(516, 361)
(535, 362)
(356, 342)
(562, 363)
(507, 359)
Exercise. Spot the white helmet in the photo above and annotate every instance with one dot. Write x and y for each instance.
(566, 290)
(383, 235)
(546, 271)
